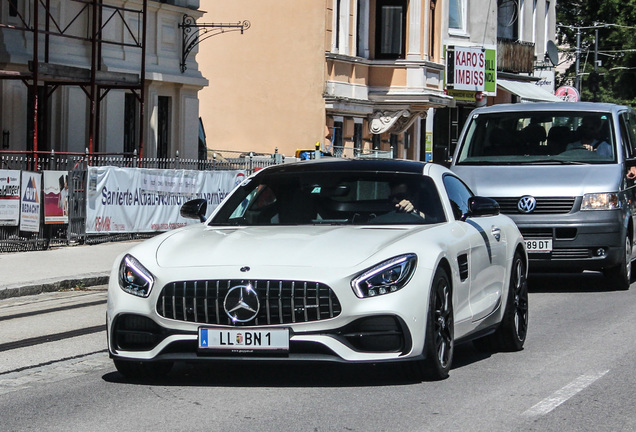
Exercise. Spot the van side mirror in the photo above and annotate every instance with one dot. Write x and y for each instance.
(481, 206)
(194, 209)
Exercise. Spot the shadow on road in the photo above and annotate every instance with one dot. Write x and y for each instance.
(569, 282)
(306, 374)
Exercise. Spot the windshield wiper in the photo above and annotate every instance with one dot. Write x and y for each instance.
(330, 221)
(557, 162)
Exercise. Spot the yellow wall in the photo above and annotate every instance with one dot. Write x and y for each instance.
(266, 85)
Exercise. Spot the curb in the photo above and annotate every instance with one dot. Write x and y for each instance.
(52, 285)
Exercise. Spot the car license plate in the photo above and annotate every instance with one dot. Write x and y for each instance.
(539, 245)
(244, 341)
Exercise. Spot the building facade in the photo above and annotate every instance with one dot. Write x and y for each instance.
(354, 76)
(360, 76)
(84, 76)
(520, 33)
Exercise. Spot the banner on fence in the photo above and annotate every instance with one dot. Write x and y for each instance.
(146, 200)
(30, 206)
(9, 197)
(55, 197)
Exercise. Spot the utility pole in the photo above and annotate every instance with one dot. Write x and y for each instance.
(577, 77)
(595, 82)
(596, 26)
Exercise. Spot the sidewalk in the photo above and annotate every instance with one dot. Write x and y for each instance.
(25, 273)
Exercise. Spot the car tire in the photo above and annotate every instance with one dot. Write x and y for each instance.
(621, 276)
(142, 370)
(511, 333)
(439, 341)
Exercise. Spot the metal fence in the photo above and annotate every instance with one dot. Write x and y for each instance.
(14, 240)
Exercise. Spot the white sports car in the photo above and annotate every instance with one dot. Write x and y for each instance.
(336, 260)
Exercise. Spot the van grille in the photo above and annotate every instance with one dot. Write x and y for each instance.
(545, 205)
(281, 302)
(573, 253)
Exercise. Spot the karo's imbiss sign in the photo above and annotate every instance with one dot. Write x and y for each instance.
(471, 69)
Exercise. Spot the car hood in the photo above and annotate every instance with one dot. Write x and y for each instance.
(540, 180)
(340, 246)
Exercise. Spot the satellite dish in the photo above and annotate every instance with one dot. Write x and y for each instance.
(552, 53)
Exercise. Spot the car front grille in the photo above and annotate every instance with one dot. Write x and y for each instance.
(572, 253)
(536, 233)
(281, 302)
(545, 205)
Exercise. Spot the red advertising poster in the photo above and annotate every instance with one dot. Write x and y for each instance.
(55, 197)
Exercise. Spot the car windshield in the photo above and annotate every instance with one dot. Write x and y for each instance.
(539, 138)
(333, 198)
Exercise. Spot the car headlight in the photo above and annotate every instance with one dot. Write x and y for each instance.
(134, 278)
(386, 277)
(601, 201)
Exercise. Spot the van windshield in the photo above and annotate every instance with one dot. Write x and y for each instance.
(539, 137)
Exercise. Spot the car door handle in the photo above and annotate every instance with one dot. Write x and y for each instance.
(496, 233)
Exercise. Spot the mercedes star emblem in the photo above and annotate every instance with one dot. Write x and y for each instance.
(241, 303)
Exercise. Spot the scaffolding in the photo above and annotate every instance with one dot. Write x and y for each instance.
(95, 82)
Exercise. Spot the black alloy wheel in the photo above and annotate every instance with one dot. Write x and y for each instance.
(440, 333)
(512, 331)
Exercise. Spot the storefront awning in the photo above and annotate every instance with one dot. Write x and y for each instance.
(527, 91)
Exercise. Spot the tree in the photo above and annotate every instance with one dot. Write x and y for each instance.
(616, 47)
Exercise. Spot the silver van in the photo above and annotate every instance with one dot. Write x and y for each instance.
(559, 170)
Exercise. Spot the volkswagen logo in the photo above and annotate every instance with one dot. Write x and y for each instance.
(527, 204)
(241, 303)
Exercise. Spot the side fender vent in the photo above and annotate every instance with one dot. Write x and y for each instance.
(462, 261)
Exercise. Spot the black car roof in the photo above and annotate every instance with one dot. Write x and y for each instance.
(339, 164)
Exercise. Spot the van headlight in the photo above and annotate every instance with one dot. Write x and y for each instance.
(601, 201)
(386, 277)
(134, 278)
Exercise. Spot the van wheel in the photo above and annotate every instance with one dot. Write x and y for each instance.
(621, 275)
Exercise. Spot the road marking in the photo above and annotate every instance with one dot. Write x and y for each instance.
(565, 393)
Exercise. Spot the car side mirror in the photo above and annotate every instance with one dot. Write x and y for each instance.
(194, 209)
(481, 206)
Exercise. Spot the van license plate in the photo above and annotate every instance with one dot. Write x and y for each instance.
(241, 341)
(539, 245)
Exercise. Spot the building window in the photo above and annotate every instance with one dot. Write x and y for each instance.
(362, 29)
(507, 19)
(390, 29)
(342, 12)
(534, 21)
(357, 139)
(338, 143)
(546, 28)
(163, 135)
(376, 142)
(457, 16)
(130, 123)
(431, 29)
(13, 8)
(338, 24)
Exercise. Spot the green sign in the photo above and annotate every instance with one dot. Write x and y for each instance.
(490, 69)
